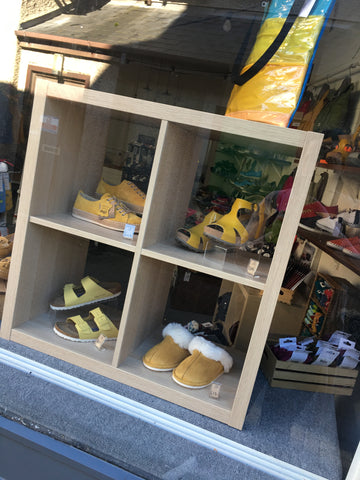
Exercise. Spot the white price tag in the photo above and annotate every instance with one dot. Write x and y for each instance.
(99, 344)
(252, 266)
(215, 390)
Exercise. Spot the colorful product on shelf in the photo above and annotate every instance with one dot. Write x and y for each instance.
(107, 212)
(323, 293)
(193, 238)
(313, 321)
(195, 362)
(88, 292)
(126, 192)
(171, 351)
(87, 329)
(246, 221)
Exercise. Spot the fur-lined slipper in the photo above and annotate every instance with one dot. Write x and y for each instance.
(79, 329)
(193, 238)
(167, 354)
(90, 291)
(205, 364)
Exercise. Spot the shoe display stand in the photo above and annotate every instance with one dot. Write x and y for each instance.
(65, 153)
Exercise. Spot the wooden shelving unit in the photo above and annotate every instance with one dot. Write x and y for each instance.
(51, 247)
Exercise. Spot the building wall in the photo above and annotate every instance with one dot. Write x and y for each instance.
(31, 9)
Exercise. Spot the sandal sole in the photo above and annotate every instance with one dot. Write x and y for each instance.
(79, 340)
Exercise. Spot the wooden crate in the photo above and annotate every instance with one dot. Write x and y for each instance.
(313, 378)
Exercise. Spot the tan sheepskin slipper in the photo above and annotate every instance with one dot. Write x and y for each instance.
(205, 364)
(167, 354)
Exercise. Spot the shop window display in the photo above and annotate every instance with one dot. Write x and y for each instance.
(215, 203)
(218, 237)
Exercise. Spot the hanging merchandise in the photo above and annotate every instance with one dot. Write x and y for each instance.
(333, 118)
(270, 86)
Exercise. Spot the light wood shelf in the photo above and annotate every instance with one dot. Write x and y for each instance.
(51, 246)
(230, 266)
(67, 224)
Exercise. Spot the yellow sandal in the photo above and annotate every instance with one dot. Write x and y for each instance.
(88, 329)
(245, 221)
(193, 238)
(90, 291)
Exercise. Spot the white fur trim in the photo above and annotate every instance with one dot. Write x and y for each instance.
(212, 351)
(179, 334)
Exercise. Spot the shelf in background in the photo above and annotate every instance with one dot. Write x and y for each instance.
(233, 267)
(339, 168)
(319, 239)
(68, 224)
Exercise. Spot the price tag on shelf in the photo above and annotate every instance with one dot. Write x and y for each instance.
(215, 390)
(252, 266)
(99, 344)
(129, 231)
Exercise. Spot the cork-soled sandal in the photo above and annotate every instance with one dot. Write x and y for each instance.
(193, 238)
(245, 221)
(79, 329)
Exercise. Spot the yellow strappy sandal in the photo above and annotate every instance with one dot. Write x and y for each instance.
(245, 221)
(193, 238)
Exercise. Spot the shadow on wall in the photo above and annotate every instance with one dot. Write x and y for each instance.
(12, 134)
(81, 7)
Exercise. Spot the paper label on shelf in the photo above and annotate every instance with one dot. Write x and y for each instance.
(129, 231)
(50, 124)
(215, 390)
(99, 344)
